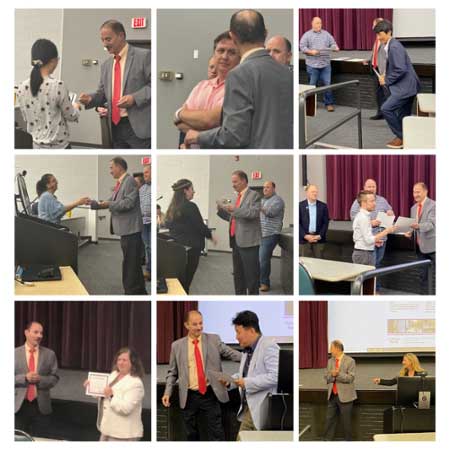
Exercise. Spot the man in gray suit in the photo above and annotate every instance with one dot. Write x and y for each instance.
(424, 230)
(340, 377)
(126, 222)
(257, 108)
(193, 359)
(125, 88)
(35, 373)
(245, 234)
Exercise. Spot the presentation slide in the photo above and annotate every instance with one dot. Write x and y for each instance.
(380, 327)
(414, 23)
(275, 318)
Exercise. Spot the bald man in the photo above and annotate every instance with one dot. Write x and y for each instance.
(313, 224)
(317, 44)
(381, 205)
(272, 214)
(280, 49)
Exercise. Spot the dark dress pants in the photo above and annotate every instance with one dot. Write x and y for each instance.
(208, 406)
(245, 269)
(123, 136)
(336, 409)
(132, 277)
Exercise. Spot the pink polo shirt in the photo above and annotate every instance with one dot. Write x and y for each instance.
(208, 94)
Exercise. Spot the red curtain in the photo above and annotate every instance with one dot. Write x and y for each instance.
(86, 335)
(170, 320)
(395, 176)
(351, 28)
(313, 334)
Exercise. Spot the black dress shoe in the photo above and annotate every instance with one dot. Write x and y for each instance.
(377, 117)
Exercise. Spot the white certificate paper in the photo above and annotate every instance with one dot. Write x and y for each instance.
(403, 225)
(97, 383)
(386, 221)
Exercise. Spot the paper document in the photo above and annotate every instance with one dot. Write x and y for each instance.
(97, 383)
(403, 225)
(386, 221)
(221, 376)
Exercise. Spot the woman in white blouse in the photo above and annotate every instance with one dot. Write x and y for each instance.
(120, 411)
(44, 101)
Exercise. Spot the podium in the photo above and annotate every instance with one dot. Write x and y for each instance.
(408, 420)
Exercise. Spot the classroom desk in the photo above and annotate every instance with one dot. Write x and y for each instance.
(266, 435)
(426, 105)
(405, 437)
(330, 272)
(69, 285)
(174, 287)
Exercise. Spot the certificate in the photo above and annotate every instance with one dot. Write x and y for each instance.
(386, 221)
(403, 225)
(96, 384)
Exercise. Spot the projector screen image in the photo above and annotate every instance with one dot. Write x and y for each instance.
(275, 319)
(382, 327)
(414, 23)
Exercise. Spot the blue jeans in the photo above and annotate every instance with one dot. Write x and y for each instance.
(266, 248)
(147, 240)
(323, 75)
(394, 109)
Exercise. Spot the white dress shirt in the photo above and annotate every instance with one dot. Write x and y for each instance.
(362, 231)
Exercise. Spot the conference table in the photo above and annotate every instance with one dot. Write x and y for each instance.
(266, 435)
(174, 287)
(405, 437)
(70, 284)
(327, 274)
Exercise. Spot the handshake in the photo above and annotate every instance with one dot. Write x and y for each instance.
(94, 204)
(126, 101)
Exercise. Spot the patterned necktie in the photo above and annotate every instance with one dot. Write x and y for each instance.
(233, 220)
(115, 114)
(336, 366)
(31, 389)
(200, 372)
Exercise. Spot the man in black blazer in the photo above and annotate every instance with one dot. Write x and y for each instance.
(313, 224)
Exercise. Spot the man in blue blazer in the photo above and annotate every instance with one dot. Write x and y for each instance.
(258, 373)
(313, 224)
(400, 80)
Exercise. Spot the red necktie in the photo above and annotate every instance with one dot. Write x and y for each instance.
(233, 220)
(200, 371)
(419, 213)
(31, 389)
(115, 115)
(336, 366)
(376, 46)
(116, 190)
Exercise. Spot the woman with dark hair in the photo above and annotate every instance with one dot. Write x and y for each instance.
(49, 208)
(411, 368)
(187, 227)
(44, 101)
(120, 410)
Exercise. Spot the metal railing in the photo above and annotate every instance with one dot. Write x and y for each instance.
(358, 283)
(303, 142)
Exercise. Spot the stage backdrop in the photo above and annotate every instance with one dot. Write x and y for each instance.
(395, 176)
(351, 28)
(86, 335)
(313, 334)
(170, 320)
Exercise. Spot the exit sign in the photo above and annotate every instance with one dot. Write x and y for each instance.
(139, 22)
(146, 160)
(256, 175)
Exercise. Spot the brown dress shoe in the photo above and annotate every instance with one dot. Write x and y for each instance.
(330, 108)
(395, 143)
(264, 288)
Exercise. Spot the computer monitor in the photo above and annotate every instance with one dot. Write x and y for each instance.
(408, 389)
(286, 372)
